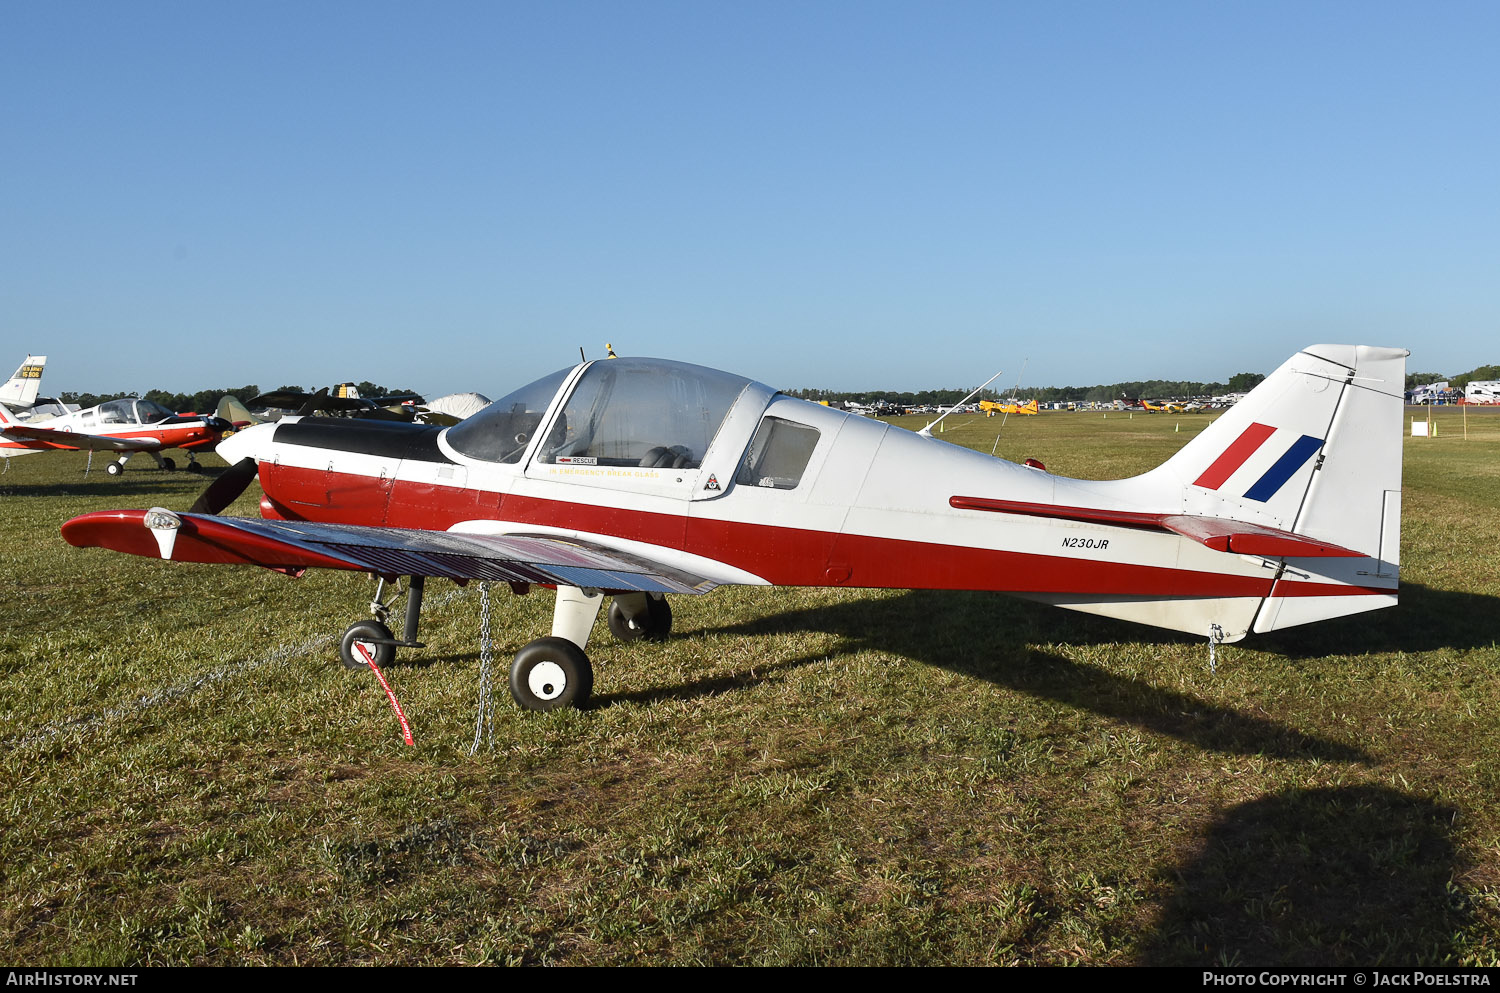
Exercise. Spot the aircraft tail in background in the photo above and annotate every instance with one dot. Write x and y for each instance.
(21, 389)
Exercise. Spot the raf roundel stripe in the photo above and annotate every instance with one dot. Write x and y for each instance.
(1234, 456)
(1275, 478)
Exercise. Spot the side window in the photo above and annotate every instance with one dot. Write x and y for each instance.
(778, 454)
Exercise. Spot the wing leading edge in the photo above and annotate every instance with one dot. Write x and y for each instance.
(292, 547)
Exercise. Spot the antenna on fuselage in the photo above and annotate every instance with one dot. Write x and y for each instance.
(927, 431)
(581, 356)
(1015, 394)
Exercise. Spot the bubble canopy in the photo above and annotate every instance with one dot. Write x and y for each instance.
(133, 410)
(652, 413)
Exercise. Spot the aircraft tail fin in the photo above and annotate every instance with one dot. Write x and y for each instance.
(233, 410)
(21, 389)
(1313, 451)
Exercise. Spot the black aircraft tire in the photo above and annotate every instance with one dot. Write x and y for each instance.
(361, 631)
(114, 468)
(549, 674)
(658, 622)
(168, 465)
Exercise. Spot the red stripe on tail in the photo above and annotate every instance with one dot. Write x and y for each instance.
(1234, 456)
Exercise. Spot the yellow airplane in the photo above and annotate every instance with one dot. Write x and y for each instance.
(991, 407)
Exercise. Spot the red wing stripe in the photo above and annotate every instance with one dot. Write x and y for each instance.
(1234, 456)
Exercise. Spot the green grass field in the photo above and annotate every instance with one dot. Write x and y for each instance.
(797, 777)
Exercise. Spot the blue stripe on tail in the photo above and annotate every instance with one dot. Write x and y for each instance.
(1275, 478)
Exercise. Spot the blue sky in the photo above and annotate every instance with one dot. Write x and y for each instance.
(454, 196)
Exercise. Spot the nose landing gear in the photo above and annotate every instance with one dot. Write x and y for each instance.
(378, 644)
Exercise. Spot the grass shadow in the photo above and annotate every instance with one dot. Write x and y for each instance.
(97, 483)
(1344, 876)
(944, 630)
(1425, 620)
(712, 686)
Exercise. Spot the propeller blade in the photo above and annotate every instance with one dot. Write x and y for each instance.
(227, 488)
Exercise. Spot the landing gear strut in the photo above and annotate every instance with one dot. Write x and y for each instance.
(367, 641)
(546, 674)
(369, 644)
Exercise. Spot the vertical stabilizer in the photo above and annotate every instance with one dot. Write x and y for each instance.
(1315, 450)
(21, 389)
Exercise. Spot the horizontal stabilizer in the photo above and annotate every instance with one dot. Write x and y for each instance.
(1220, 534)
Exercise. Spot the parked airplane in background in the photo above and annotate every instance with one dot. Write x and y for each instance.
(19, 392)
(344, 399)
(641, 478)
(233, 410)
(993, 407)
(445, 410)
(128, 426)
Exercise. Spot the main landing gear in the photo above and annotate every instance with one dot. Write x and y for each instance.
(554, 672)
(640, 615)
(546, 674)
(163, 462)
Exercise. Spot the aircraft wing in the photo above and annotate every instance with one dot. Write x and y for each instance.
(292, 547)
(1218, 533)
(43, 438)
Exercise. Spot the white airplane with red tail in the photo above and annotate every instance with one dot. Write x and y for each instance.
(127, 426)
(642, 478)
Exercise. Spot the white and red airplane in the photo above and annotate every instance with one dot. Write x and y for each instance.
(127, 426)
(641, 478)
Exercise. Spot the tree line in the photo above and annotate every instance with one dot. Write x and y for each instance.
(1151, 389)
(207, 401)
(1481, 374)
